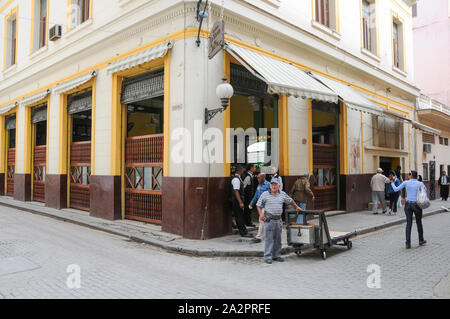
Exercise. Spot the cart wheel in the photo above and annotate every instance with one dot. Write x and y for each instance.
(324, 254)
(349, 245)
(298, 252)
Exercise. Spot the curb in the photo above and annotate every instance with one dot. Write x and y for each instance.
(195, 252)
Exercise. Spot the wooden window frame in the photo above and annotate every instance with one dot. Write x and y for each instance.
(43, 21)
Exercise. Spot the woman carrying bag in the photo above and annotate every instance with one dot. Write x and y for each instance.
(415, 192)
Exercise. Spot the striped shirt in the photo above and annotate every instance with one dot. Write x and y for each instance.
(273, 204)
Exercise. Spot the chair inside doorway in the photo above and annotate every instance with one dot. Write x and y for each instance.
(143, 97)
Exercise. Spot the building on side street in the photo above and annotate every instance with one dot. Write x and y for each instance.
(431, 32)
(433, 151)
(102, 103)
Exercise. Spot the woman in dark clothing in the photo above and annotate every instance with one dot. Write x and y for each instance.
(393, 196)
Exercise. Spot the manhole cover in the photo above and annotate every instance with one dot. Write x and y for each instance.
(15, 265)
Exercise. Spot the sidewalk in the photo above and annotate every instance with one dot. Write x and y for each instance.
(228, 246)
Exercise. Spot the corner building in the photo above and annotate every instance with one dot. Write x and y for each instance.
(92, 90)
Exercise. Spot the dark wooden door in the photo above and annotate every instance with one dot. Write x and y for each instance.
(143, 178)
(39, 171)
(324, 179)
(80, 173)
(11, 163)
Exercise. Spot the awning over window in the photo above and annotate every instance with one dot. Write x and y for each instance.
(10, 122)
(74, 83)
(80, 103)
(352, 98)
(29, 100)
(140, 58)
(281, 77)
(39, 114)
(425, 128)
(8, 108)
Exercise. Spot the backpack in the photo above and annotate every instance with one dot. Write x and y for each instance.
(422, 198)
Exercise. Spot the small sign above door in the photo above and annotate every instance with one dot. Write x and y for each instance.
(216, 39)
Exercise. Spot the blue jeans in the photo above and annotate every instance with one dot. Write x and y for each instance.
(272, 236)
(410, 209)
(303, 207)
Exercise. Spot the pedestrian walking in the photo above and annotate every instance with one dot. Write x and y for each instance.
(301, 190)
(412, 187)
(444, 182)
(378, 185)
(272, 202)
(237, 195)
(276, 175)
(393, 195)
(262, 187)
(249, 192)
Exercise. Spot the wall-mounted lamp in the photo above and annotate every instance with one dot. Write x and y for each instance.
(224, 92)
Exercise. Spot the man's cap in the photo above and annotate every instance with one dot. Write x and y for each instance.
(379, 170)
(275, 180)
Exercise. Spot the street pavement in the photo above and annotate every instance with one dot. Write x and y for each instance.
(227, 246)
(38, 250)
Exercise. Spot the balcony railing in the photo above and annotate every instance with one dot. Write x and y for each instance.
(427, 103)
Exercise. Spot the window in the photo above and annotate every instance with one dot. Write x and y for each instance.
(446, 141)
(11, 39)
(369, 26)
(326, 13)
(427, 138)
(388, 133)
(414, 10)
(80, 12)
(425, 172)
(441, 140)
(39, 24)
(397, 44)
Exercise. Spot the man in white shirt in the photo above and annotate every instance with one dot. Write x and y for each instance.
(444, 182)
(378, 185)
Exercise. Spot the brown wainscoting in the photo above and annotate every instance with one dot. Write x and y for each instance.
(56, 191)
(22, 187)
(355, 192)
(2, 184)
(184, 203)
(105, 197)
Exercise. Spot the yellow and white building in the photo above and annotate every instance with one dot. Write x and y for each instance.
(87, 117)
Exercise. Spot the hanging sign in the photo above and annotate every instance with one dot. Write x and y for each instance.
(216, 39)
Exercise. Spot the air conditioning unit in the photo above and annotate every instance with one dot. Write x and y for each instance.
(426, 148)
(55, 32)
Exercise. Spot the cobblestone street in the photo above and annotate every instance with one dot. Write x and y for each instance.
(113, 267)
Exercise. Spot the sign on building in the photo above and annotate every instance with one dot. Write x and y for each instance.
(216, 39)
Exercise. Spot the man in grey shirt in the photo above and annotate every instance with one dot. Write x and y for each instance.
(273, 205)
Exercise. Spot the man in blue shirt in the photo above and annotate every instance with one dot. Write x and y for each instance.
(263, 186)
(412, 186)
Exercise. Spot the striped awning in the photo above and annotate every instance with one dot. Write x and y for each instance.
(352, 98)
(64, 87)
(425, 128)
(29, 100)
(8, 108)
(140, 58)
(281, 77)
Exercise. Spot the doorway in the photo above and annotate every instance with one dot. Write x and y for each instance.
(79, 107)
(10, 122)
(325, 134)
(143, 100)
(252, 107)
(39, 151)
(388, 164)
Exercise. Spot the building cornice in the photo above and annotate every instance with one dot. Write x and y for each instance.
(281, 28)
